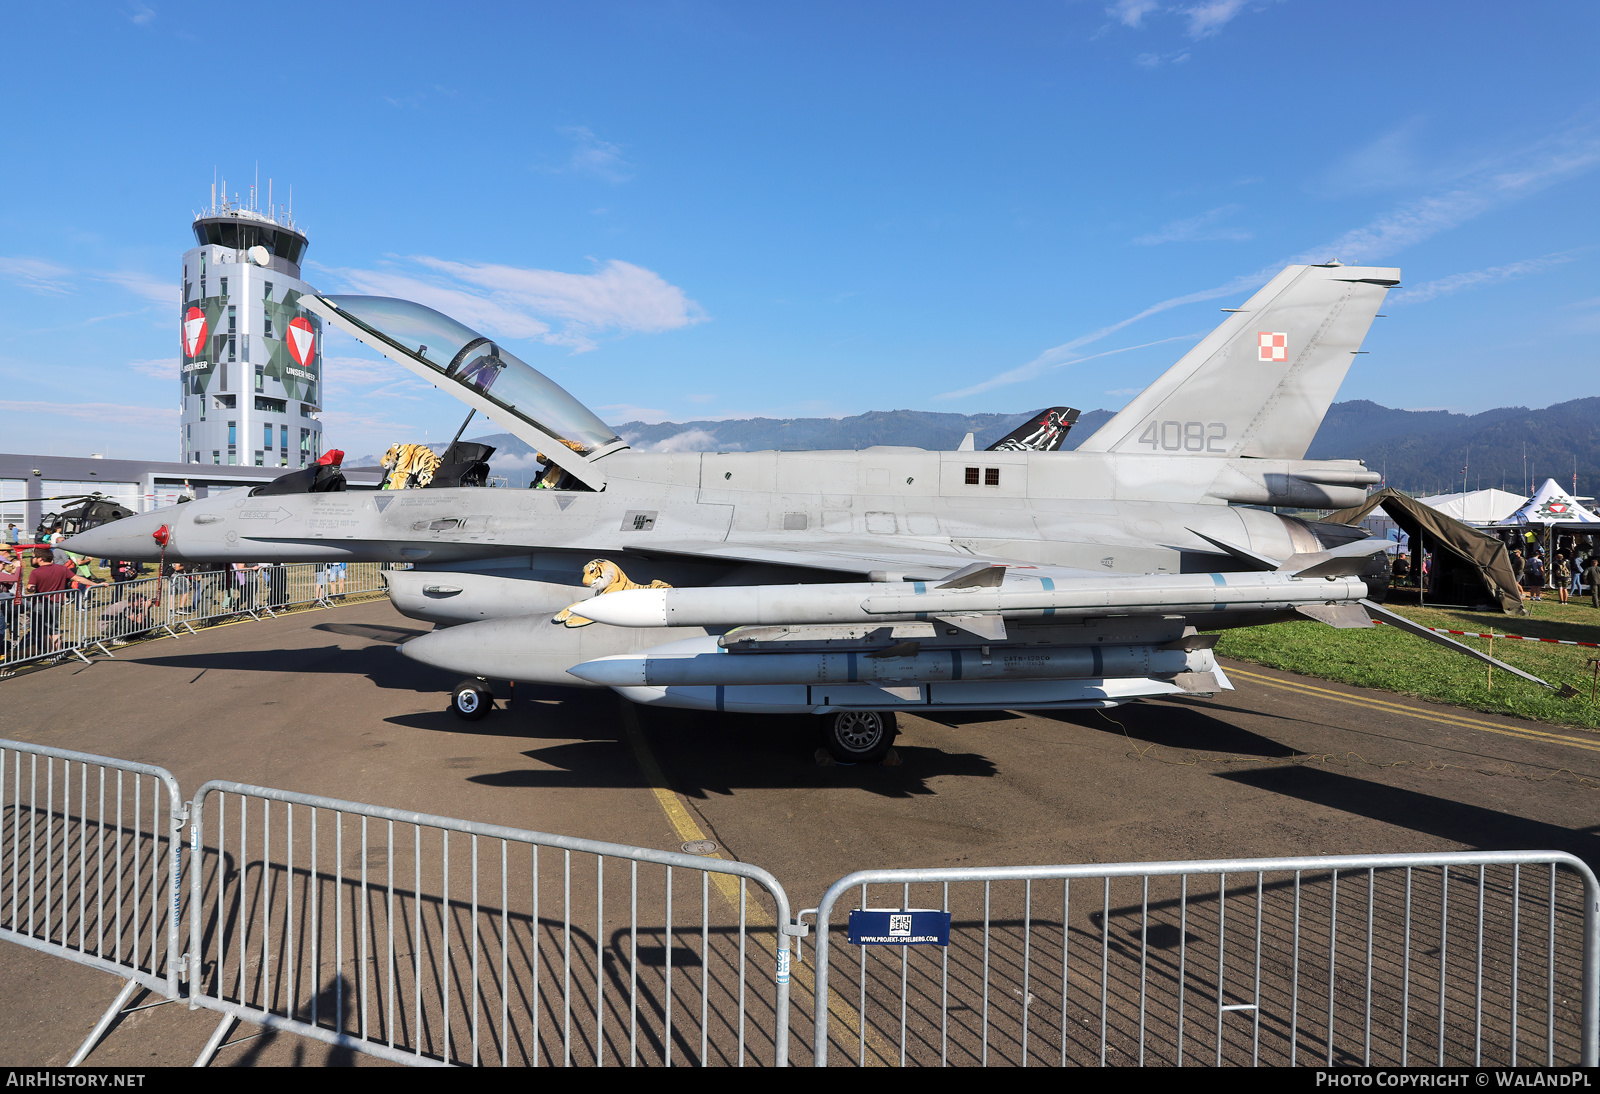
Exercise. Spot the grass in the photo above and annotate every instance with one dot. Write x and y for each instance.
(1391, 660)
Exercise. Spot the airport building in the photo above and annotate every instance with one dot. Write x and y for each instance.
(250, 357)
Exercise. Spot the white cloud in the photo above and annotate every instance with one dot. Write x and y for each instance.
(141, 14)
(157, 368)
(1207, 227)
(1444, 286)
(1130, 13)
(48, 277)
(1210, 17)
(1205, 19)
(691, 440)
(115, 413)
(35, 274)
(627, 412)
(1493, 182)
(151, 288)
(593, 156)
(552, 306)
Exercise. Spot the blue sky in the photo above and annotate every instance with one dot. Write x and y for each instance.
(703, 210)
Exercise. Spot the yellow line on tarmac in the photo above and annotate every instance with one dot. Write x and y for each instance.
(683, 823)
(1538, 735)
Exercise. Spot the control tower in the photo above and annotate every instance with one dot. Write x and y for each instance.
(251, 357)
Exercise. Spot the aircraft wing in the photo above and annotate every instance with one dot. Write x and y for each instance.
(850, 555)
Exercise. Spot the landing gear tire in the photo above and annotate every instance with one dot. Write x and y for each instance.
(858, 736)
(471, 700)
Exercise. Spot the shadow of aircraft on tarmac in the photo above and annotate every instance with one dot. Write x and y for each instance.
(1174, 725)
(1457, 822)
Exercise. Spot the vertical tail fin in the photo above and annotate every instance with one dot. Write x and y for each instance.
(1261, 382)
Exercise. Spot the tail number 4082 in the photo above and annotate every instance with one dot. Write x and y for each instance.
(1185, 436)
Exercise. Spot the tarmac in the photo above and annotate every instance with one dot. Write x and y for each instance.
(320, 702)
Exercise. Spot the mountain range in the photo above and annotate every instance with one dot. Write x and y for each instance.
(1419, 451)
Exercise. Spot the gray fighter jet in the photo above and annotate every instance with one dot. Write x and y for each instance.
(856, 584)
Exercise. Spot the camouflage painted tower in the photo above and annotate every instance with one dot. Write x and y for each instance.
(251, 357)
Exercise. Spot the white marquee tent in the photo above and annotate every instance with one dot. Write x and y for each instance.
(1553, 507)
(1477, 507)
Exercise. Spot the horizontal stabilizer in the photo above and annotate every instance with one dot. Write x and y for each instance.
(1345, 560)
(1255, 561)
(1384, 615)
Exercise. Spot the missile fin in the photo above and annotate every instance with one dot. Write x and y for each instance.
(1340, 616)
(991, 627)
(980, 575)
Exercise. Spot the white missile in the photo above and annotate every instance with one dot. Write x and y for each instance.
(701, 661)
(1016, 598)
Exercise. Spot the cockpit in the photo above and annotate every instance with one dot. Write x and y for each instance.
(478, 370)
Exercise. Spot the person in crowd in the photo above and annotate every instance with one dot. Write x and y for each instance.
(123, 572)
(1533, 577)
(53, 579)
(1561, 576)
(12, 535)
(10, 586)
(1591, 577)
(1517, 564)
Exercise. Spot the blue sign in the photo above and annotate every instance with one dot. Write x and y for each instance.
(899, 927)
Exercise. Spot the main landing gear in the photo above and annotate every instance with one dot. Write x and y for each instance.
(858, 736)
(472, 699)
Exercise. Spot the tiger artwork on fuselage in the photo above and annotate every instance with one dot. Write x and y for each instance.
(608, 577)
(409, 465)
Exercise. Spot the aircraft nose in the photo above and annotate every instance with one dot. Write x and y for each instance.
(131, 538)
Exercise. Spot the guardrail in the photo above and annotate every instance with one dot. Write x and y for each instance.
(1362, 960)
(99, 617)
(90, 865)
(429, 940)
(305, 916)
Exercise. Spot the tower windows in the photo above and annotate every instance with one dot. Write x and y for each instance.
(233, 311)
(224, 290)
(266, 435)
(261, 372)
(267, 295)
(233, 346)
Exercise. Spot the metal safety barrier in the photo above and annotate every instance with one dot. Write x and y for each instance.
(425, 939)
(428, 940)
(90, 863)
(1470, 958)
(100, 617)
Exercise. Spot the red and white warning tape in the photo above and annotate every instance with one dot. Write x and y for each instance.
(1513, 637)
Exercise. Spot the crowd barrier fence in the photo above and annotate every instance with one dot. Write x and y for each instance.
(429, 940)
(100, 617)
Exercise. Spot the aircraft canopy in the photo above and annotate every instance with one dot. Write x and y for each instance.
(478, 366)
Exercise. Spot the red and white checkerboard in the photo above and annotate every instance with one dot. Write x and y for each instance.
(1274, 346)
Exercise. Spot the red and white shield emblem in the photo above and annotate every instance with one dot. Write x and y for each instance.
(1557, 507)
(1272, 346)
(302, 341)
(194, 331)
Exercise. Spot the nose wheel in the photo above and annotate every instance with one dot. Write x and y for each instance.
(858, 736)
(472, 699)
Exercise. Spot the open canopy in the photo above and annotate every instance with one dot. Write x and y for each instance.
(1553, 507)
(479, 372)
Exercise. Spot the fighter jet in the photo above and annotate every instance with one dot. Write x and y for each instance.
(853, 585)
